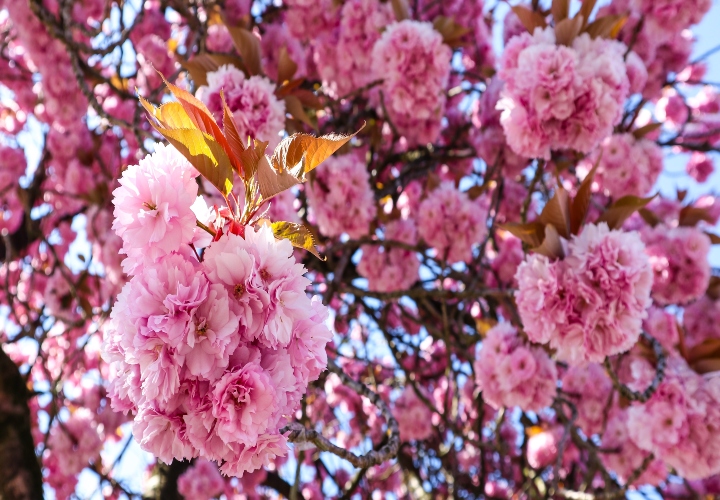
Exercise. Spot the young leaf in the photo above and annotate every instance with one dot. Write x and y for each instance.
(551, 245)
(296, 234)
(235, 142)
(709, 348)
(529, 18)
(203, 120)
(603, 26)
(714, 238)
(581, 203)
(531, 233)
(251, 157)
(649, 217)
(690, 216)
(202, 64)
(560, 10)
(248, 46)
(306, 152)
(645, 130)
(201, 149)
(286, 66)
(296, 110)
(205, 154)
(704, 366)
(400, 9)
(567, 30)
(451, 31)
(557, 212)
(272, 182)
(586, 9)
(622, 209)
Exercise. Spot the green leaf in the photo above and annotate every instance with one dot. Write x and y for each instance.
(296, 234)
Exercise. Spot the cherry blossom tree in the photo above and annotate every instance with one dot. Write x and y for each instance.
(357, 249)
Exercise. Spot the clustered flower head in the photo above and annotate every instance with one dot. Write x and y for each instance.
(679, 422)
(201, 481)
(210, 355)
(679, 260)
(627, 166)
(414, 64)
(511, 372)
(391, 268)
(452, 223)
(559, 97)
(413, 416)
(589, 388)
(341, 198)
(591, 304)
(258, 113)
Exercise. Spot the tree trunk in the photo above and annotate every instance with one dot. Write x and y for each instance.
(20, 476)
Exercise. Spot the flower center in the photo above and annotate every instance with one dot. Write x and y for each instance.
(239, 290)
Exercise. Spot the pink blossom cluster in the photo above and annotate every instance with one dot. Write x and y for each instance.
(414, 65)
(559, 97)
(413, 416)
(258, 113)
(201, 481)
(627, 166)
(212, 355)
(665, 17)
(591, 304)
(700, 166)
(12, 167)
(390, 268)
(629, 457)
(311, 19)
(511, 373)
(488, 135)
(452, 223)
(590, 389)
(701, 321)
(679, 260)
(340, 196)
(679, 422)
(346, 63)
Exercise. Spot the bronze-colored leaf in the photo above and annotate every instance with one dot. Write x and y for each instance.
(560, 10)
(272, 182)
(713, 289)
(531, 233)
(551, 246)
(400, 9)
(203, 119)
(451, 31)
(709, 348)
(704, 366)
(581, 203)
(641, 132)
(432, 182)
(296, 234)
(306, 152)
(714, 238)
(615, 30)
(286, 66)
(603, 26)
(288, 87)
(650, 218)
(586, 10)
(202, 64)
(690, 216)
(476, 191)
(557, 212)
(204, 153)
(622, 209)
(251, 157)
(529, 18)
(232, 134)
(308, 99)
(248, 46)
(296, 110)
(568, 29)
(681, 194)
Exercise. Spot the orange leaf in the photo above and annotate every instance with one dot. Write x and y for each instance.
(235, 142)
(603, 27)
(551, 246)
(622, 209)
(581, 203)
(296, 110)
(202, 64)
(531, 233)
(286, 66)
